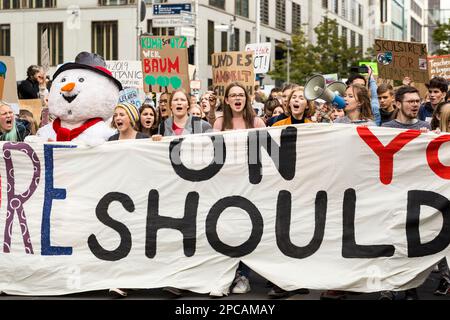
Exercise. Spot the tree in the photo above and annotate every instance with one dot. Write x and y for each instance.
(331, 54)
(441, 37)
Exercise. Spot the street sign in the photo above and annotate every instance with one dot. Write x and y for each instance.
(167, 22)
(187, 32)
(170, 9)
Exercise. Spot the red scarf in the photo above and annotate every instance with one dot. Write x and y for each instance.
(64, 134)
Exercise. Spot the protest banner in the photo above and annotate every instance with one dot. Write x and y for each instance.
(129, 73)
(439, 66)
(261, 56)
(397, 59)
(230, 67)
(164, 63)
(184, 211)
(8, 85)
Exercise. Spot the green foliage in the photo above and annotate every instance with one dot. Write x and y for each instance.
(330, 55)
(441, 37)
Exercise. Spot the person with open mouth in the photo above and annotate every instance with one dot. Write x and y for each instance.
(125, 120)
(149, 120)
(297, 108)
(357, 109)
(237, 112)
(163, 107)
(12, 129)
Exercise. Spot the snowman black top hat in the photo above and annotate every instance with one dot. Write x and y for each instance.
(89, 61)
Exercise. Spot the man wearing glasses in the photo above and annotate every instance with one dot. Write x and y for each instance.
(407, 100)
(29, 88)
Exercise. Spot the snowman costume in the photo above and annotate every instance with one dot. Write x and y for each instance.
(82, 97)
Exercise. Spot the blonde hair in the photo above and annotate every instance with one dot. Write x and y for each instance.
(445, 117)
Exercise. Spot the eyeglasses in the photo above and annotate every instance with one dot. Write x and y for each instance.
(412, 101)
(234, 95)
(162, 101)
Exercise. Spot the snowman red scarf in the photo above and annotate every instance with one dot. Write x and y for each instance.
(64, 134)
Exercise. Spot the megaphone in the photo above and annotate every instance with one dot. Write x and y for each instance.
(337, 87)
(316, 88)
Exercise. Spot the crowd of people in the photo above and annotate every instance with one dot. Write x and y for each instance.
(179, 113)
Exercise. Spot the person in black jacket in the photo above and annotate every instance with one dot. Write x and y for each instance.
(29, 88)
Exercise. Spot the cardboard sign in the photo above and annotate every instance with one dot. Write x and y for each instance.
(32, 105)
(230, 67)
(261, 58)
(439, 66)
(397, 60)
(129, 73)
(164, 63)
(8, 85)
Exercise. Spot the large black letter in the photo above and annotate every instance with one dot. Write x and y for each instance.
(186, 225)
(283, 226)
(417, 198)
(349, 247)
(198, 175)
(255, 217)
(284, 158)
(125, 236)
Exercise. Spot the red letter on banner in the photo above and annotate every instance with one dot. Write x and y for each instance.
(441, 170)
(386, 153)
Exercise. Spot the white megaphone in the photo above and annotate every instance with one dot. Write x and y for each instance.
(316, 88)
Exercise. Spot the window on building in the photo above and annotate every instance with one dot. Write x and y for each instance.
(241, 8)
(296, 17)
(416, 30)
(344, 36)
(352, 39)
(353, 11)
(264, 12)
(336, 6)
(105, 39)
(383, 11)
(210, 40)
(170, 31)
(5, 40)
(224, 41)
(360, 15)
(34, 4)
(360, 41)
(248, 37)
(344, 9)
(55, 42)
(217, 3)
(237, 40)
(9, 4)
(280, 17)
(116, 2)
(325, 4)
(416, 8)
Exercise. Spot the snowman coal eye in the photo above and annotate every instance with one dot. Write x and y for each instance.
(80, 79)
(63, 80)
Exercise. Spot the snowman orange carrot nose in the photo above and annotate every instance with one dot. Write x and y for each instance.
(68, 87)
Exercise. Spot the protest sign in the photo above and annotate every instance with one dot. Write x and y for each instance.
(164, 63)
(261, 56)
(233, 67)
(397, 59)
(129, 73)
(373, 65)
(184, 211)
(32, 105)
(130, 95)
(439, 66)
(8, 85)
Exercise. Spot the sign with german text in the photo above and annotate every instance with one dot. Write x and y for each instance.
(397, 60)
(184, 211)
(439, 66)
(261, 56)
(171, 8)
(230, 67)
(164, 63)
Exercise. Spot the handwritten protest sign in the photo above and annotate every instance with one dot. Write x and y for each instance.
(186, 210)
(129, 73)
(164, 63)
(261, 56)
(8, 85)
(439, 66)
(231, 67)
(130, 95)
(397, 59)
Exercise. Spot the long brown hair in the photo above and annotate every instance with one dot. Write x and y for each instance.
(248, 112)
(362, 96)
(154, 129)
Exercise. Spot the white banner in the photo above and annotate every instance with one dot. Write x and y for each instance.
(318, 213)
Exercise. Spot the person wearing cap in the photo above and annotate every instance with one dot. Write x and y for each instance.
(125, 120)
